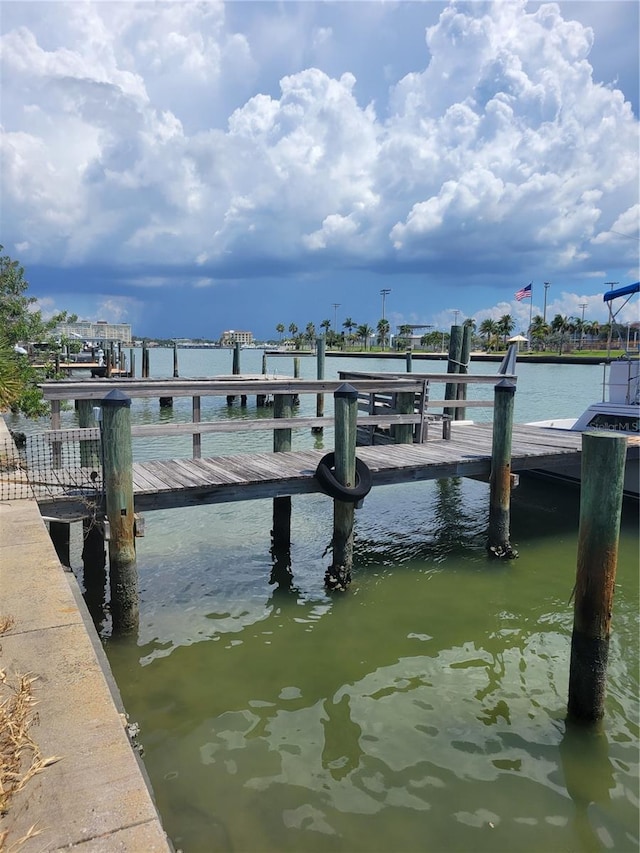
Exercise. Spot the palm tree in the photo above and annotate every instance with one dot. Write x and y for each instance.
(489, 330)
(561, 325)
(405, 334)
(433, 340)
(293, 331)
(591, 328)
(383, 332)
(280, 329)
(538, 332)
(364, 332)
(11, 384)
(326, 325)
(506, 325)
(349, 325)
(577, 325)
(310, 334)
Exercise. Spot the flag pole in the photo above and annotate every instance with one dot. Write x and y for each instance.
(530, 313)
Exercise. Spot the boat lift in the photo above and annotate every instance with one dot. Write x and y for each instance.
(628, 290)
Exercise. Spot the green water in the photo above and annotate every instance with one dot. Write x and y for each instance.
(421, 711)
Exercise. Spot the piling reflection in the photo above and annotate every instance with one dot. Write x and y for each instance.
(281, 573)
(588, 775)
(341, 752)
(452, 527)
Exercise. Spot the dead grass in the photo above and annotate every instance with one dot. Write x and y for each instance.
(20, 756)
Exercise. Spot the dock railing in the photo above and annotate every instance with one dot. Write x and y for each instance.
(393, 407)
(392, 416)
(431, 411)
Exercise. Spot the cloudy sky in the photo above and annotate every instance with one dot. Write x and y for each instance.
(199, 166)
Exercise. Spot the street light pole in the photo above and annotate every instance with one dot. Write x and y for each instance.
(384, 292)
(336, 305)
(582, 305)
(544, 310)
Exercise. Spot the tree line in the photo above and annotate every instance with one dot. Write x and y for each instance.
(492, 335)
(21, 322)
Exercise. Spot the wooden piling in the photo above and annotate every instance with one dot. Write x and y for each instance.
(465, 354)
(602, 481)
(409, 360)
(118, 483)
(195, 417)
(90, 456)
(320, 359)
(453, 366)
(145, 360)
(296, 368)
(498, 544)
(176, 372)
(405, 405)
(132, 364)
(281, 532)
(338, 575)
(236, 359)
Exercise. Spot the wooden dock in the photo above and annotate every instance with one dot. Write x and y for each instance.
(174, 483)
(109, 491)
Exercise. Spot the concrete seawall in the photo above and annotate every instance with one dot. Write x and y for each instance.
(96, 796)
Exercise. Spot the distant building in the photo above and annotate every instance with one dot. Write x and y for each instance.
(233, 336)
(101, 331)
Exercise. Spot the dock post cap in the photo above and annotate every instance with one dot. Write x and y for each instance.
(116, 398)
(506, 385)
(604, 433)
(345, 391)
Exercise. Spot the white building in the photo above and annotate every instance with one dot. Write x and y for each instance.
(101, 331)
(232, 336)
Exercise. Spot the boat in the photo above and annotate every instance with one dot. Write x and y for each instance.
(618, 411)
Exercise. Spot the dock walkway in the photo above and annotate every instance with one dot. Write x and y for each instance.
(184, 482)
(172, 483)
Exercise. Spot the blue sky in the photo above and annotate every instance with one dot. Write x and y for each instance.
(195, 167)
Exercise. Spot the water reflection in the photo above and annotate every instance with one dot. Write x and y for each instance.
(421, 711)
(425, 704)
(341, 752)
(589, 778)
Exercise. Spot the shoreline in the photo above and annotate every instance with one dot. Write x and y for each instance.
(487, 357)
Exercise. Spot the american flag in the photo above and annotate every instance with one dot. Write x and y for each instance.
(524, 293)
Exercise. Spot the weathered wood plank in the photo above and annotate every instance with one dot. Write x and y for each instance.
(89, 389)
(245, 476)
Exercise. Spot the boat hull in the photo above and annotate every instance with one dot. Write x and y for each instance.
(571, 473)
(602, 417)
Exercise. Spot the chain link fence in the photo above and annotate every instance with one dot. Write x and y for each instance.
(54, 464)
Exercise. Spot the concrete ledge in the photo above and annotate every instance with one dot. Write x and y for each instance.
(97, 796)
